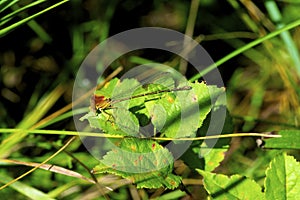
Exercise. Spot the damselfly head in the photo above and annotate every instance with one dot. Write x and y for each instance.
(99, 102)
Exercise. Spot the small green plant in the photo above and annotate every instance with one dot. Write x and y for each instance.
(42, 156)
(282, 181)
(129, 158)
(172, 114)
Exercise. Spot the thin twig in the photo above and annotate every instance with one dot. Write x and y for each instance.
(106, 135)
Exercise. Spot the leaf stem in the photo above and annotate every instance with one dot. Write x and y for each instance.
(106, 135)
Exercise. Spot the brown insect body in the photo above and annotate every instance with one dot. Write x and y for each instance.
(100, 103)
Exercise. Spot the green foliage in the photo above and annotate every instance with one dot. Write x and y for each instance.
(283, 178)
(290, 140)
(38, 46)
(25, 189)
(235, 187)
(208, 156)
(172, 116)
(144, 162)
(162, 108)
(282, 182)
(213, 156)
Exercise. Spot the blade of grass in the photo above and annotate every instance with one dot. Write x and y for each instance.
(291, 47)
(244, 16)
(171, 195)
(49, 167)
(6, 30)
(35, 97)
(26, 190)
(36, 167)
(256, 103)
(65, 116)
(39, 111)
(19, 10)
(77, 101)
(42, 107)
(189, 31)
(56, 192)
(258, 17)
(100, 186)
(140, 60)
(8, 5)
(254, 55)
(244, 48)
(32, 120)
(36, 27)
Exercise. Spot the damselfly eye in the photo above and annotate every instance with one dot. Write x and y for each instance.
(99, 102)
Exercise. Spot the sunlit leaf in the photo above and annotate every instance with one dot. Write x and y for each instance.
(213, 156)
(175, 113)
(290, 139)
(208, 154)
(144, 162)
(108, 88)
(220, 186)
(283, 178)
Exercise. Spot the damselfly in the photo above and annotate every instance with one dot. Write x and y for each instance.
(100, 103)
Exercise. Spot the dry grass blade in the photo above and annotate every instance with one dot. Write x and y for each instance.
(69, 106)
(49, 167)
(36, 167)
(44, 105)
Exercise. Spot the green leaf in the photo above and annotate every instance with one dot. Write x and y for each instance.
(283, 178)
(181, 115)
(117, 118)
(205, 155)
(104, 123)
(166, 114)
(290, 139)
(212, 156)
(146, 163)
(222, 187)
(205, 95)
(173, 114)
(108, 88)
